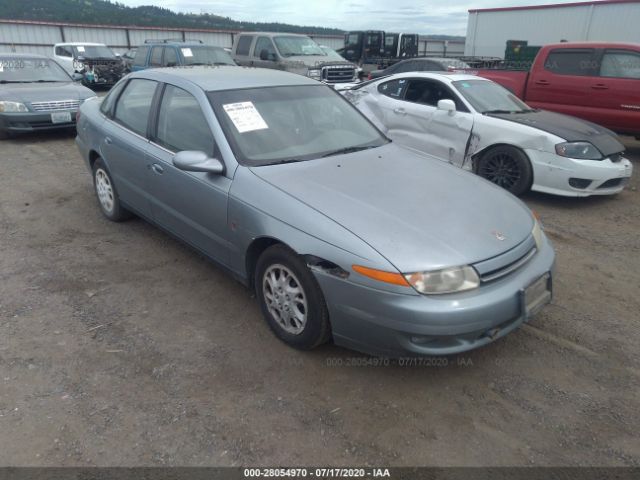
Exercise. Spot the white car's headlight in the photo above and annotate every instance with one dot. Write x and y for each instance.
(314, 73)
(447, 280)
(580, 150)
(537, 233)
(13, 107)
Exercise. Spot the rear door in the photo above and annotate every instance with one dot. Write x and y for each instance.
(192, 205)
(125, 143)
(616, 91)
(563, 83)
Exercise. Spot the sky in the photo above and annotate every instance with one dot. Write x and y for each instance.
(447, 17)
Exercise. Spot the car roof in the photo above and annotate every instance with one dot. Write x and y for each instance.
(81, 44)
(594, 44)
(177, 43)
(213, 78)
(23, 55)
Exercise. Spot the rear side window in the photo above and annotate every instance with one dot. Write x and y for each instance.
(170, 57)
(156, 57)
(579, 62)
(620, 64)
(64, 52)
(181, 123)
(141, 56)
(132, 109)
(244, 42)
(393, 88)
(409, 66)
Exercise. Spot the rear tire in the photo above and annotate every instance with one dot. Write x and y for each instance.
(291, 299)
(507, 167)
(107, 195)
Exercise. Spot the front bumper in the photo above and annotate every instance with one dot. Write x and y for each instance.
(395, 325)
(552, 173)
(33, 121)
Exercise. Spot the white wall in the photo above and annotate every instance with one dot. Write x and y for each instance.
(488, 32)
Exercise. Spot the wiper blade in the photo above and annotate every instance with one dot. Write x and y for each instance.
(286, 160)
(342, 151)
(499, 111)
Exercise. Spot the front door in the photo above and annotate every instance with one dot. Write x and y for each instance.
(192, 205)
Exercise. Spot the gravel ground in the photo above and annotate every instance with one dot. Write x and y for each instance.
(121, 346)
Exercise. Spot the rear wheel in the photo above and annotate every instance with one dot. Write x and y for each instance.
(107, 194)
(507, 167)
(290, 299)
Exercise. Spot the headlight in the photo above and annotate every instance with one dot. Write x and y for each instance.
(13, 107)
(581, 150)
(537, 233)
(448, 280)
(315, 74)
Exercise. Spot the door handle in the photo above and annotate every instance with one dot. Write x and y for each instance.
(108, 140)
(157, 168)
(542, 82)
(399, 111)
(599, 86)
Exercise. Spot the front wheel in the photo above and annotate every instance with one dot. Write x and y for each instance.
(507, 167)
(290, 299)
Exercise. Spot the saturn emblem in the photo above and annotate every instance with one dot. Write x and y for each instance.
(499, 235)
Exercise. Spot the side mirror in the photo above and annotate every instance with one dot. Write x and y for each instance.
(265, 55)
(447, 105)
(77, 77)
(194, 161)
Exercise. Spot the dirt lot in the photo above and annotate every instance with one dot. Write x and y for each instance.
(120, 346)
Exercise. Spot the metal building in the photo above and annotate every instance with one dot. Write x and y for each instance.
(607, 20)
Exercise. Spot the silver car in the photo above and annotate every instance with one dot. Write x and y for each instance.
(343, 234)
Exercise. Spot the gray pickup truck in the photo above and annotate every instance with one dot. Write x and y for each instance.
(293, 53)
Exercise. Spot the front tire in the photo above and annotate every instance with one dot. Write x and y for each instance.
(107, 195)
(507, 167)
(290, 299)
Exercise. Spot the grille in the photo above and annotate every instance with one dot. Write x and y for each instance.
(614, 182)
(338, 73)
(55, 105)
(497, 267)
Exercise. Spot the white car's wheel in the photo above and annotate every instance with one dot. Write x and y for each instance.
(507, 167)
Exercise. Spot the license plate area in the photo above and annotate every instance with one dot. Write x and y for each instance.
(536, 295)
(60, 117)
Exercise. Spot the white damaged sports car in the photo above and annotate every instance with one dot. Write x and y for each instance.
(478, 125)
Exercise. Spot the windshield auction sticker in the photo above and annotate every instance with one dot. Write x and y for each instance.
(187, 52)
(245, 117)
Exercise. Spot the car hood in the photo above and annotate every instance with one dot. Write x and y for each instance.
(417, 211)
(44, 92)
(317, 60)
(570, 128)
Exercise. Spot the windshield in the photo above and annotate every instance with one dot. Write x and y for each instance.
(487, 97)
(297, 46)
(331, 53)
(294, 123)
(24, 70)
(453, 62)
(93, 51)
(206, 56)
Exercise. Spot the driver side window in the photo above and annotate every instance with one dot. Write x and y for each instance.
(430, 92)
(264, 43)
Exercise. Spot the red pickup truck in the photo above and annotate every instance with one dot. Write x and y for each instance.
(599, 82)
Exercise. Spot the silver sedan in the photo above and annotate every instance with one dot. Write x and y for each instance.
(342, 234)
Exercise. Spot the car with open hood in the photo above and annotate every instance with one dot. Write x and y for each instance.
(341, 233)
(37, 94)
(97, 63)
(478, 125)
